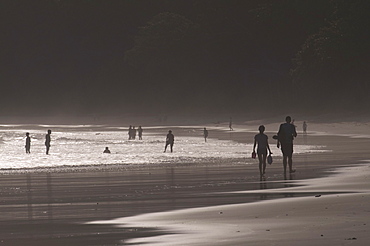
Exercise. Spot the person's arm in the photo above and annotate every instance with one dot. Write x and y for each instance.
(279, 136)
(294, 132)
(268, 147)
(254, 146)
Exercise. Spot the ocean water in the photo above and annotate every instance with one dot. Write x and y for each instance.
(83, 145)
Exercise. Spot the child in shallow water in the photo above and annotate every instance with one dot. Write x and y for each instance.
(261, 141)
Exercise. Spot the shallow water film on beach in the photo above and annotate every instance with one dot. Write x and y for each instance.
(84, 145)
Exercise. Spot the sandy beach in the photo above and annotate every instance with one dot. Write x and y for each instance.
(324, 203)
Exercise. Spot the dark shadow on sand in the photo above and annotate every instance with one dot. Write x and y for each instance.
(73, 234)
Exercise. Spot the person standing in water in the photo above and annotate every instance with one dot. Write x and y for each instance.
(130, 133)
(133, 134)
(205, 134)
(304, 127)
(285, 136)
(170, 139)
(231, 124)
(106, 151)
(140, 133)
(47, 141)
(261, 141)
(28, 143)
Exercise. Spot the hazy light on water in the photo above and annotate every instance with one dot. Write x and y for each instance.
(77, 145)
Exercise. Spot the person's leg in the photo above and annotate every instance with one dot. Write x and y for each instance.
(260, 159)
(290, 158)
(290, 162)
(165, 147)
(285, 162)
(264, 156)
(171, 147)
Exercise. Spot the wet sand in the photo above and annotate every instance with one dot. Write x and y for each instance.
(55, 207)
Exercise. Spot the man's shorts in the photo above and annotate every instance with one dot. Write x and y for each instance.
(287, 149)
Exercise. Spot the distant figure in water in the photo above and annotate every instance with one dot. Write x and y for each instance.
(28, 143)
(285, 136)
(140, 133)
(304, 127)
(170, 139)
(130, 133)
(205, 134)
(231, 124)
(133, 133)
(260, 140)
(47, 141)
(107, 151)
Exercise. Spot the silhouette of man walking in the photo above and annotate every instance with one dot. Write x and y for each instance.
(286, 135)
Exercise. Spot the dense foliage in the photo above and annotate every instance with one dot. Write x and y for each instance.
(187, 56)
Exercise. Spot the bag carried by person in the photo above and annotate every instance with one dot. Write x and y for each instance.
(269, 159)
(254, 155)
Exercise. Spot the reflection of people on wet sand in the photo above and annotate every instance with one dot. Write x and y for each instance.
(231, 124)
(286, 135)
(170, 139)
(47, 141)
(28, 143)
(140, 133)
(260, 140)
(106, 151)
(205, 134)
(304, 127)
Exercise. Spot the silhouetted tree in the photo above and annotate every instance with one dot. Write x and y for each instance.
(332, 65)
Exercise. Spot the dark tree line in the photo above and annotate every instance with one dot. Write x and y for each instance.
(186, 56)
(333, 63)
(235, 55)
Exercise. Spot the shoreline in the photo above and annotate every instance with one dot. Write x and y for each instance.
(52, 207)
(322, 219)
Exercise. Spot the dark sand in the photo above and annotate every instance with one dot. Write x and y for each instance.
(50, 207)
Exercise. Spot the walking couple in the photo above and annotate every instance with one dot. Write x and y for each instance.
(285, 137)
